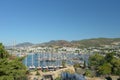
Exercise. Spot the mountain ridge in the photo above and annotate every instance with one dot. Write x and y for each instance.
(24, 44)
(93, 42)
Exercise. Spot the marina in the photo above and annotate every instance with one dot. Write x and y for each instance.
(52, 65)
(52, 61)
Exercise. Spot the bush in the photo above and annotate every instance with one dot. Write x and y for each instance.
(105, 65)
(37, 73)
(88, 73)
(58, 78)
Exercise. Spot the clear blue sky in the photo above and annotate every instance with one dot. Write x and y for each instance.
(39, 21)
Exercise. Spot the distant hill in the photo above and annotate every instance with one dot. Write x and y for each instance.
(56, 43)
(94, 42)
(25, 44)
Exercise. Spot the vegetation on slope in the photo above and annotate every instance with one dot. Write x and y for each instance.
(105, 65)
(10, 68)
(95, 42)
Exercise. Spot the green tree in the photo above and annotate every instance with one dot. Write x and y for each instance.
(109, 57)
(110, 64)
(63, 63)
(3, 52)
(10, 69)
(37, 73)
(96, 60)
(115, 66)
(77, 51)
(88, 73)
(104, 69)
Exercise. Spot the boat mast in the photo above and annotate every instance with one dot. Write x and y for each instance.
(26, 61)
(38, 60)
(32, 59)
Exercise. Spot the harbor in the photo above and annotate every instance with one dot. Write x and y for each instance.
(51, 61)
(54, 65)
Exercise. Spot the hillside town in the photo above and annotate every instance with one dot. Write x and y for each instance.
(115, 47)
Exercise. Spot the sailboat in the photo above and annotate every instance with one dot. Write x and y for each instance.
(32, 66)
(39, 68)
(26, 61)
(45, 67)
